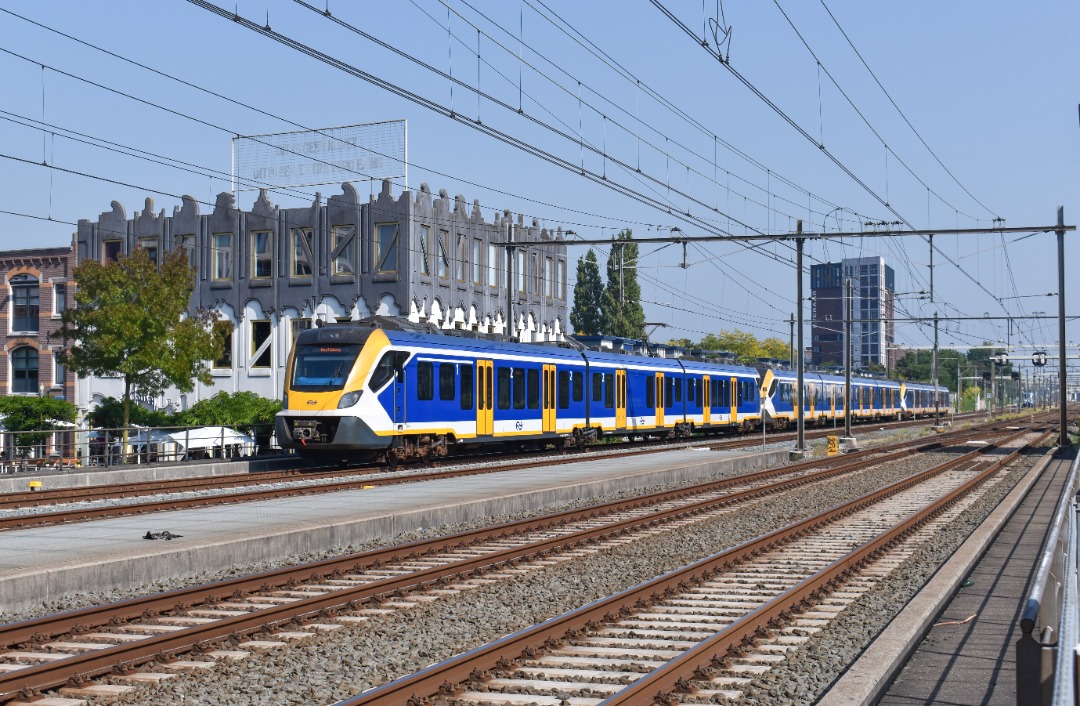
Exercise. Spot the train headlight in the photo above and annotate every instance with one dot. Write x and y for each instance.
(349, 399)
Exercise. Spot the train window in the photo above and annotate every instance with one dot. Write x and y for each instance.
(519, 388)
(609, 391)
(678, 390)
(669, 398)
(425, 380)
(466, 385)
(447, 383)
(534, 388)
(391, 362)
(692, 391)
(650, 392)
(578, 383)
(597, 387)
(504, 387)
(564, 389)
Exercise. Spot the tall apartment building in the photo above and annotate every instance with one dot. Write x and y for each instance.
(872, 330)
(270, 272)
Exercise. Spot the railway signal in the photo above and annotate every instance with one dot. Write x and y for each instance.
(1038, 358)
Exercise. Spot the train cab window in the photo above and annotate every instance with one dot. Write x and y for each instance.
(597, 387)
(578, 384)
(650, 392)
(466, 386)
(447, 383)
(534, 388)
(385, 369)
(519, 388)
(564, 389)
(504, 387)
(425, 380)
(609, 391)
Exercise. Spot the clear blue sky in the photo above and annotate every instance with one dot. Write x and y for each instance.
(990, 87)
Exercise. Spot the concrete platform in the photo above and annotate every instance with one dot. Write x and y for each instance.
(52, 478)
(42, 564)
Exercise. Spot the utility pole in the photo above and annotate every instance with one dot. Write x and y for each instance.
(933, 373)
(800, 444)
(509, 276)
(847, 364)
(1062, 362)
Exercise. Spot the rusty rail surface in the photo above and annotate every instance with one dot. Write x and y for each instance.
(445, 678)
(162, 646)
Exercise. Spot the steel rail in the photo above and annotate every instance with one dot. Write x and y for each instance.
(478, 663)
(157, 647)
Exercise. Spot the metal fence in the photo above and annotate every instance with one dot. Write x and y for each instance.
(1046, 653)
(72, 448)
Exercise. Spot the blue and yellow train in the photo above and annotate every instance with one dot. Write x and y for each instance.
(365, 390)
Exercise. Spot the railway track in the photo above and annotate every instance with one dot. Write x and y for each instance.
(288, 483)
(49, 652)
(703, 631)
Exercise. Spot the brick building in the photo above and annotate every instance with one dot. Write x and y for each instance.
(37, 288)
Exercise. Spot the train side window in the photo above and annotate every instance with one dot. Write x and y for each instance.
(740, 387)
(519, 388)
(466, 385)
(609, 391)
(650, 392)
(597, 387)
(578, 383)
(678, 389)
(504, 388)
(425, 380)
(534, 388)
(447, 385)
(669, 397)
(564, 389)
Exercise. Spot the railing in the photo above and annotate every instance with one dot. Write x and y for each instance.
(1046, 652)
(69, 448)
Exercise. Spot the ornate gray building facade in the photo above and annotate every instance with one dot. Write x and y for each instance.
(270, 272)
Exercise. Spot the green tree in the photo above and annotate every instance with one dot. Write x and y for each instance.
(109, 414)
(132, 319)
(23, 414)
(621, 305)
(586, 317)
(743, 345)
(241, 410)
(774, 348)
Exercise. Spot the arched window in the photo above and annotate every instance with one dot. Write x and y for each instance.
(25, 298)
(24, 370)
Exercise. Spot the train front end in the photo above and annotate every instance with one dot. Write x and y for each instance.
(327, 410)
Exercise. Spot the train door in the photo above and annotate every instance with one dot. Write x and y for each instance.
(832, 401)
(485, 389)
(733, 399)
(659, 399)
(620, 399)
(548, 398)
(706, 400)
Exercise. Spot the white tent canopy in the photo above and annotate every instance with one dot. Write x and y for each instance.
(211, 439)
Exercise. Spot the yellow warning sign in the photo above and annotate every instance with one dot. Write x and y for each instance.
(834, 445)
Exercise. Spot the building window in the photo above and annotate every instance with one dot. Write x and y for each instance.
(150, 245)
(187, 242)
(222, 257)
(262, 255)
(343, 251)
(521, 271)
(477, 261)
(444, 260)
(25, 300)
(534, 270)
(493, 264)
(547, 276)
(425, 247)
(297, 326)
(59, 298)
(223, 331)
(302, 257)
(386, 248)
(111, 251)
(24, 370)
(58, 369)
(560, 286)
(261, 348)
(462, 253)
